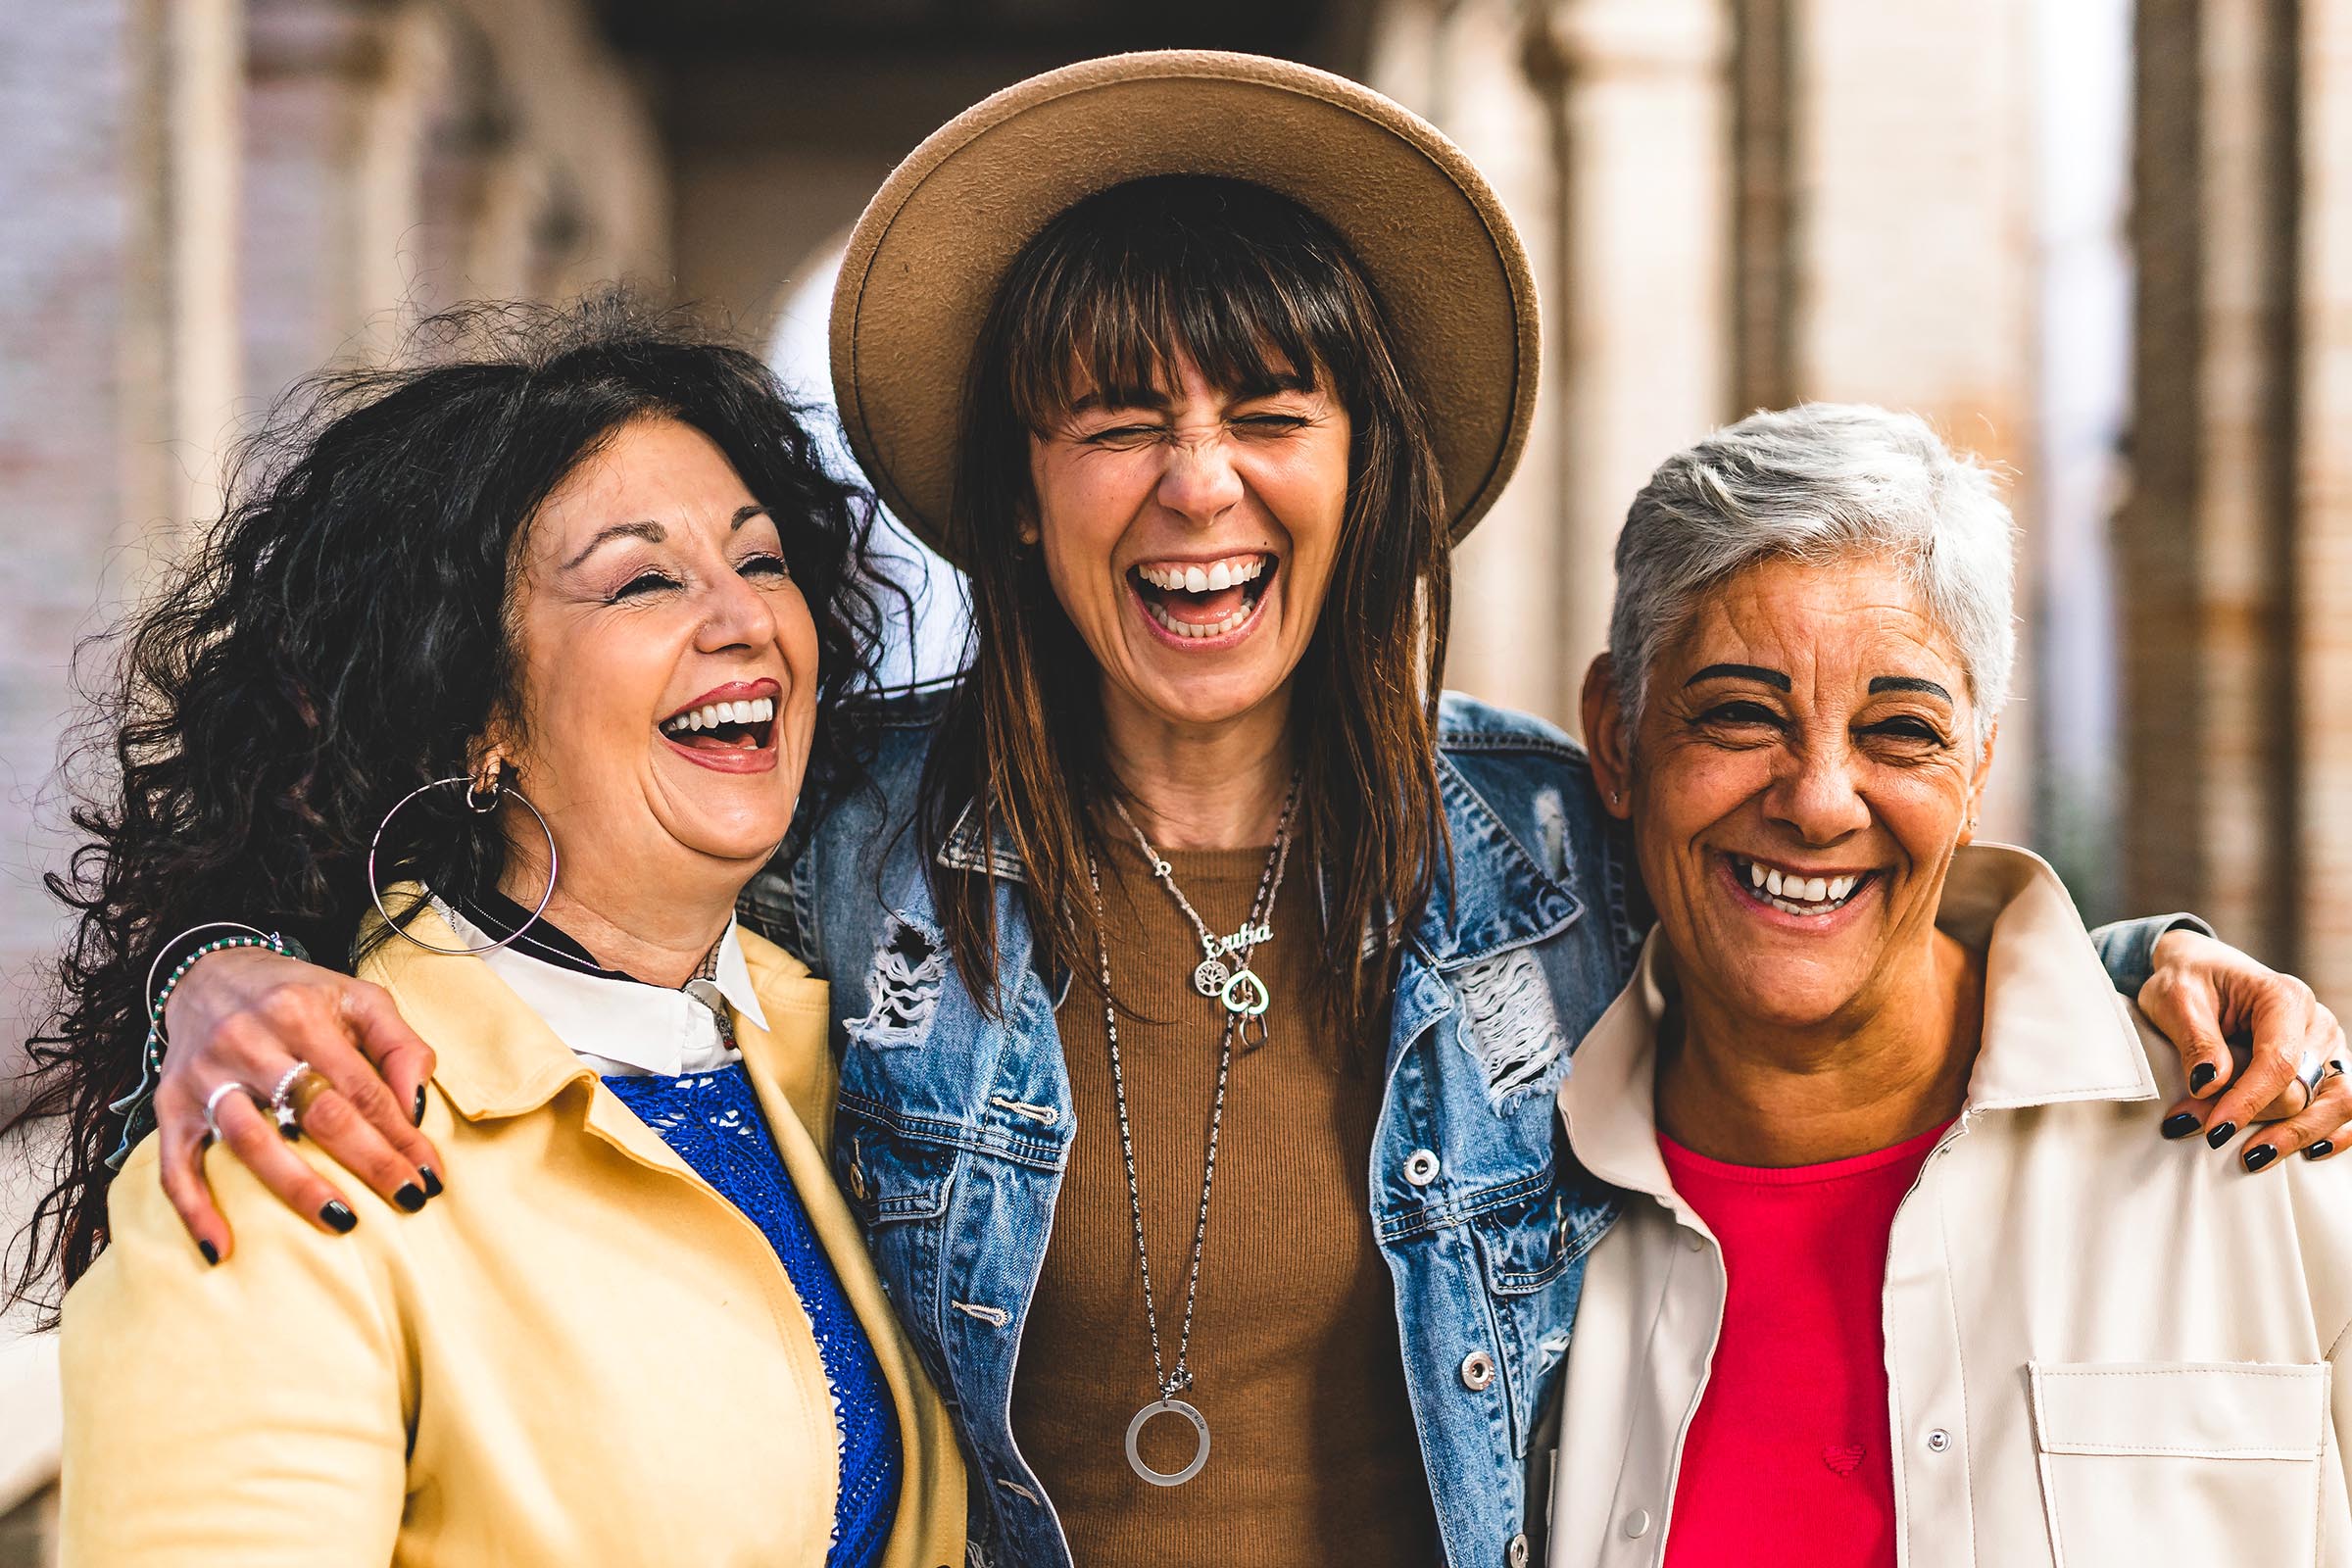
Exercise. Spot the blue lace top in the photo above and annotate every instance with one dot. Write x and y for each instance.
(711, 1120)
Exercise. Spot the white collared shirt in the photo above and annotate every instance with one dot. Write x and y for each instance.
(622, 1027)
(2103, 1350)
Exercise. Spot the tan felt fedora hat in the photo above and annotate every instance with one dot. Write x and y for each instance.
(925, 261)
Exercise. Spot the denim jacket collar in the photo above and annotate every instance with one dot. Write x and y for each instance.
(1510, 900)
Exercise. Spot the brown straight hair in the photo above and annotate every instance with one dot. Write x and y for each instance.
(1259, 293)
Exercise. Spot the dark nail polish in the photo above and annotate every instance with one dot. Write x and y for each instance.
(339, 1217)
(2320, 1150)
(288, 1131)
(2216, 1137)
(2179, 1124)
(418, 1117)
(2259, 1155)
(432, 1182)
(2204, 1073)
(410, 1197)
(212, 1254)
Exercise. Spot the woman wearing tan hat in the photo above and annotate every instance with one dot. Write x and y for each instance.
(1202, 978)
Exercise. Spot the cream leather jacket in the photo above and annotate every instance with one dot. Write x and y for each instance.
(2102, 1348)
(580, 1352)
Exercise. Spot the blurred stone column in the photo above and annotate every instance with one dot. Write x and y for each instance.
(1911, 264)
(333, 178)
(2321, 571)
(1603, 124)
(1460, 65)
(2208, 541)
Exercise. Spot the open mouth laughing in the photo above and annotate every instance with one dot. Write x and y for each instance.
(730, 727)
(1197, 601)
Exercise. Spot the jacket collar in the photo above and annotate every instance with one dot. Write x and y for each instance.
(1495, 894)
(496, 1057)
(1507, 901)
(2055, 1031)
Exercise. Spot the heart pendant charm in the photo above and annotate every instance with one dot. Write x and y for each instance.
(1246, 995)
(1211, 978)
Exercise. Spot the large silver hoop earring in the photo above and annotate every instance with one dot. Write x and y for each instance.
(480, 807)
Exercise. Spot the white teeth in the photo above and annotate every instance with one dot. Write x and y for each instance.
(1230, 572)
(1214, 628)
(756, 711)
(1798, 895)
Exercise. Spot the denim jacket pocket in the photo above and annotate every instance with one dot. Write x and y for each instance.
(898, 1182)
(1531, 1244)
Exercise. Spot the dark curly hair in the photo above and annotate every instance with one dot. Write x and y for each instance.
(341, 636)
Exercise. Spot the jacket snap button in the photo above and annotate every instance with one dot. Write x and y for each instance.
(1636, 1524)
(1421, 1167)
(1515, 1554)
(1478, 1370)
(1938, 1441)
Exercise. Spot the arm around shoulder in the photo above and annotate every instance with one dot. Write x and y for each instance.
(251, 1412)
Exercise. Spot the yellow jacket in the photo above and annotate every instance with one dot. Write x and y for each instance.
(580, 1354)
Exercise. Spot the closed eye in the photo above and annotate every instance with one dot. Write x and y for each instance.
(764, 565)
(1740, 713)
(1907, 729)
(645, 582)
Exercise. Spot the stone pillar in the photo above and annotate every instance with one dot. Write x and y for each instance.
(1642, 310)
(1913, 275)
(2321, 559)
(1459, 64)
(2207, 541)
(1603, 124)
(115, 374)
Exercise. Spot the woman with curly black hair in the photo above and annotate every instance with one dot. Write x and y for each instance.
(503, 676)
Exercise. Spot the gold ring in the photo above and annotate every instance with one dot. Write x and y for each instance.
(308, 1088)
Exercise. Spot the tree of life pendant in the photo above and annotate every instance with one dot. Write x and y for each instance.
(1210, 976)
(1135, 1429)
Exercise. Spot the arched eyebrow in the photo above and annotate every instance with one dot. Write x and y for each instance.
(1908, 683)
(1755, 673)
(653, 533)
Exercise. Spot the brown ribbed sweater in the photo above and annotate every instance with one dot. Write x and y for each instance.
(1295, 1351)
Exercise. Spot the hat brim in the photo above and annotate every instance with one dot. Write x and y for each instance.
(928, 256)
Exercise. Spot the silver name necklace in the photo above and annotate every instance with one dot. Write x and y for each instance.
(1240, 991)
(1172, 1383)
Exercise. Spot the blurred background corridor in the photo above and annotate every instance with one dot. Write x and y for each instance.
(2105, 243)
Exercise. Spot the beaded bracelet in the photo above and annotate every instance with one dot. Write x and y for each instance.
(137, 1107)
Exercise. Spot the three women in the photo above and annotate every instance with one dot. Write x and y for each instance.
(1202, 978)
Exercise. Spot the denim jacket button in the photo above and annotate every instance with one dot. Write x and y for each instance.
(1421, 1167)
(1515, 1554)
(1478, 1370)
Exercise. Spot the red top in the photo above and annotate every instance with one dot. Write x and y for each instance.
(1787, 1463)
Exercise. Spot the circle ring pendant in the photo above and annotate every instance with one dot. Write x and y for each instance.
(1135, 1430)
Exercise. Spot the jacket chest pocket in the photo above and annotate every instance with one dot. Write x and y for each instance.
(1532, 1251)
(898, 1182)
(2181, 1461)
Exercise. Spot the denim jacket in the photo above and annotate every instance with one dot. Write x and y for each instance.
(954, 1128)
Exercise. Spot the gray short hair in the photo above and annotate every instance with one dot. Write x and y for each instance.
(1820, 482)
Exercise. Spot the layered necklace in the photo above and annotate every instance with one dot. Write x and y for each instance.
(1245, 999)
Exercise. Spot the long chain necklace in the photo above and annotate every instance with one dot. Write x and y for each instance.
(1172, 1383)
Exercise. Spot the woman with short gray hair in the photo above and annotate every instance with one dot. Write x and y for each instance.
(1912, 1282)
